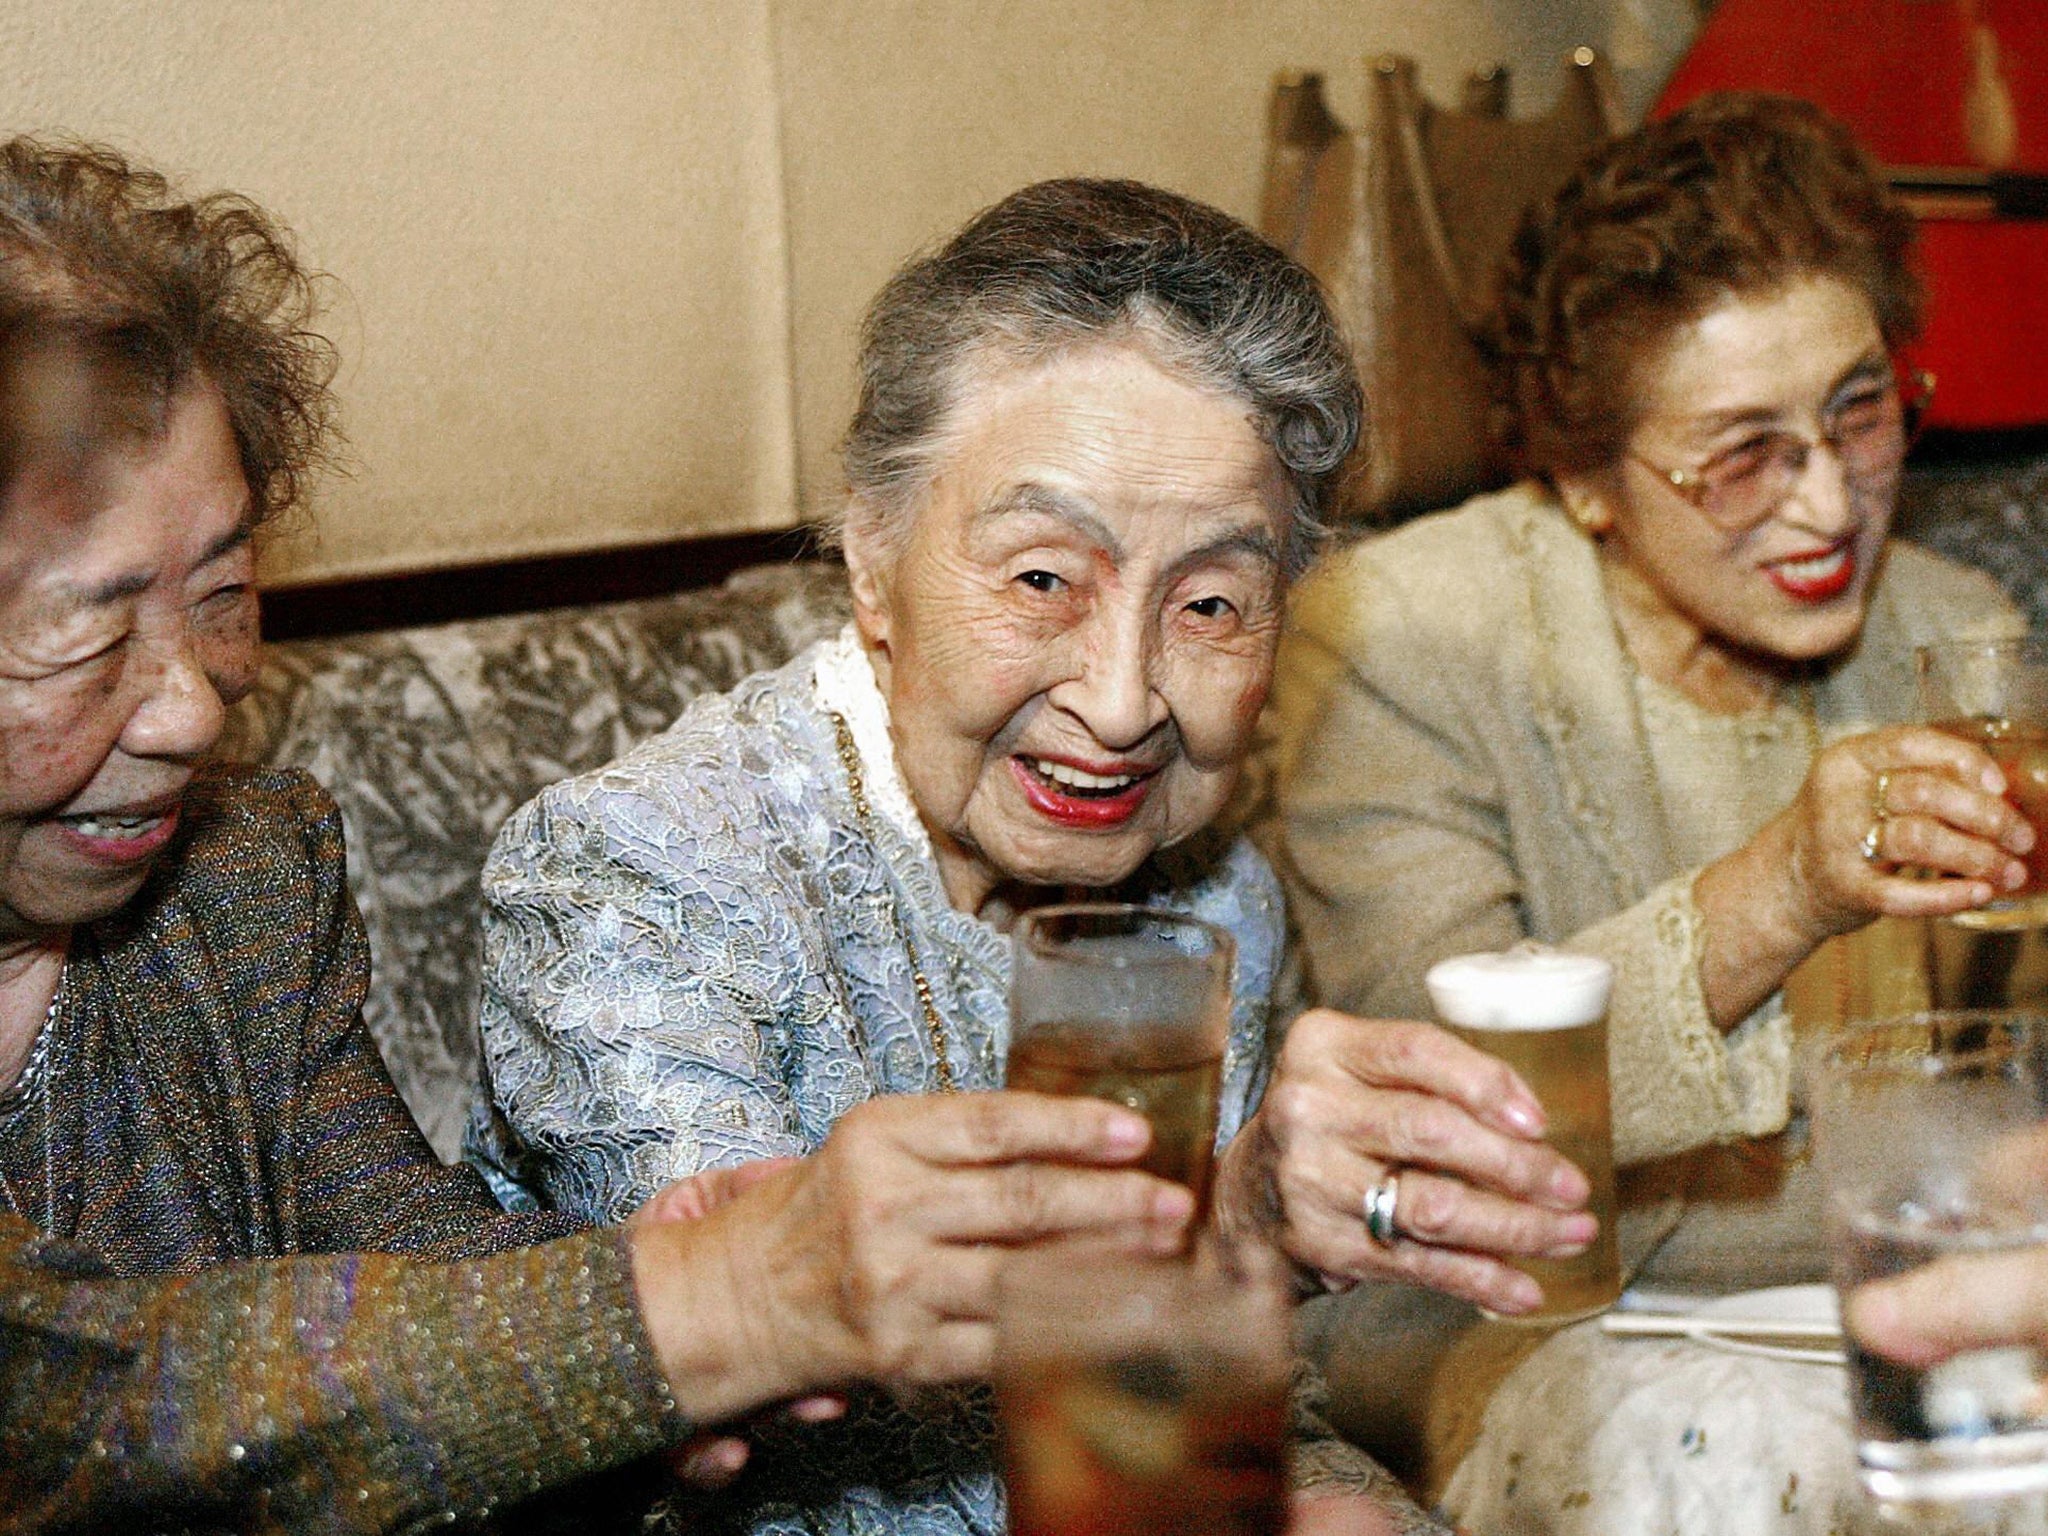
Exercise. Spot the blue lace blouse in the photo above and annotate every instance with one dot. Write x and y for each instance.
(697, 956)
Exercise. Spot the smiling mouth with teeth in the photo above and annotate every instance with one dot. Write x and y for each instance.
(113, 828)
(1816, 568)
(1069, 780)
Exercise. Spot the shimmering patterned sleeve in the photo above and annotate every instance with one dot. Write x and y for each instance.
(365, 1177)
(636, 971)
(1247, 901)
(350, 1393)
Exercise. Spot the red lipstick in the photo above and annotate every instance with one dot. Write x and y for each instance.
(1823, 586)
(1080, 811)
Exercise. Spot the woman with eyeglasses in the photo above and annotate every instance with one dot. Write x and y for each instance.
(1638, 704)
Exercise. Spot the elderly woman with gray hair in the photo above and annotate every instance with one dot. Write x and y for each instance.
(1096, 433)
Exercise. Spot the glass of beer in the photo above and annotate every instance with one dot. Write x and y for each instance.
(1131, 1005)
(1932, 1129)
(1994, 693)
(1143, 1396)
(1544, 1013)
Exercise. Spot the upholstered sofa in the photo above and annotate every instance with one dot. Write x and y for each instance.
(430, 737)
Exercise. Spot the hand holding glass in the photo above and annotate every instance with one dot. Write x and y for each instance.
(1994, 694)
(1131, 1005)
(1920, 1122)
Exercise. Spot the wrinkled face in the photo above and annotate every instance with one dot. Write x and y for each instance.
(127, 623)
(1077, 633)
(1795, 586)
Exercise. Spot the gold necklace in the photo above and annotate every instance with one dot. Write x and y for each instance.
(849, 758)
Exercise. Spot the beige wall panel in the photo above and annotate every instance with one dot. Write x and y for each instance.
(901, 117)
(558, 226)
(602, 264)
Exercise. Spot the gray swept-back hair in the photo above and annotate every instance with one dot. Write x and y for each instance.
(1064, 263)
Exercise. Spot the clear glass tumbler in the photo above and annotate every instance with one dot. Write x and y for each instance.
(1932, 1130)
(1143, 1396)
(1544, 1013)
(1994, 693)
(1131, 1005)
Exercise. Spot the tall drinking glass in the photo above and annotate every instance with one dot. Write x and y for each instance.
(1143, 1396)
(1995, 693)
(1920, 1121)
(1544, 1013)
(1131, 1005)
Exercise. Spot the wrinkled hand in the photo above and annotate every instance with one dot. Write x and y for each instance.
(1947, 841)
(875, 1259)
(712, 1461)
(903, 1216)
(1351, 1098)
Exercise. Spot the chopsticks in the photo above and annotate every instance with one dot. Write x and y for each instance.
(1679, 1325)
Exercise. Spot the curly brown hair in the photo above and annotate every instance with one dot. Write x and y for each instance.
(101, 254)
(1737, 194)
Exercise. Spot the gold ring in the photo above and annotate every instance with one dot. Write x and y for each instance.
(1880, 813)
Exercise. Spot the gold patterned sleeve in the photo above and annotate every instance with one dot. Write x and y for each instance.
(348, 1392)
(363, 1177)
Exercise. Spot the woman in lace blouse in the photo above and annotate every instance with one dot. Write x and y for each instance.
(1095, 436)
(1628, 706)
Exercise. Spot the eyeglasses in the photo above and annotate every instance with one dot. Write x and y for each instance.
(1868, 433)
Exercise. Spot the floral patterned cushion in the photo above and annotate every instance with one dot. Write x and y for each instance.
(429, 738)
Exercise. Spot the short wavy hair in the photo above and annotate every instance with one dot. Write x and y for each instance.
(1063, 263)
(102, 255)
(1736, 194)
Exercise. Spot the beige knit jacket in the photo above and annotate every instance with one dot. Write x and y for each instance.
(1456, 761)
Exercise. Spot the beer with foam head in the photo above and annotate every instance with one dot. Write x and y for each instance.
(1544, 1013)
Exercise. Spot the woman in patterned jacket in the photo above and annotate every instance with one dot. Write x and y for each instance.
(237, 1291)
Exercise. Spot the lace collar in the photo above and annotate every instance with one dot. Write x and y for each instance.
(843, 683)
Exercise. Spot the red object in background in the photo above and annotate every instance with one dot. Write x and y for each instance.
(1987, 322)
(1910, 77)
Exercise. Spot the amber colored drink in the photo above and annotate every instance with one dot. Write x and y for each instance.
(2021, 751)
(1567, 1071)
(1153, 1444)
(1158, 1070)
(1881, 968)
(1543, 1012)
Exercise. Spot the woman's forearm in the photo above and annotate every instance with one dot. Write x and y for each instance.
(352, 1392)
(1753, 931)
